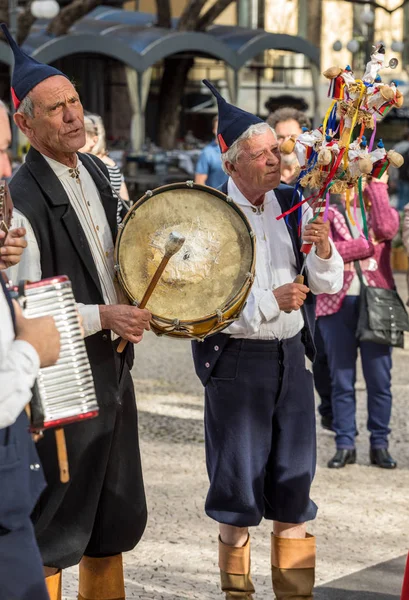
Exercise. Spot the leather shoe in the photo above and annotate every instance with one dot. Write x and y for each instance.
(342, 458)
(382, 458)
(326, 422)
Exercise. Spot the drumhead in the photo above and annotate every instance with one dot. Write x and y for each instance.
(209, 270)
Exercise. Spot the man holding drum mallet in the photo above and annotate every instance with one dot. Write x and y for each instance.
(65, 202)
(259, 396)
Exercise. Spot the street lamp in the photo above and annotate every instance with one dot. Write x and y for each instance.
(40, 9)
(45, 9)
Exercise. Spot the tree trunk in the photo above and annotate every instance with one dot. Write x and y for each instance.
(211, 15)
(176, 71)
(70, 14)
(25, 21)
(189, 17)
(314, 22)
(4, 13)
(172, 88)
(164, 13)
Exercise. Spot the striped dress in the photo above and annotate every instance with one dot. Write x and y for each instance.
(116, 178)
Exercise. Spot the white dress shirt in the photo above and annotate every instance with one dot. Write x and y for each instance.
(276, 266)
(19, 365)
(85, 200)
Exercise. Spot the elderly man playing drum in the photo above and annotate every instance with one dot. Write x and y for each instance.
(259, 398)
(64, 201)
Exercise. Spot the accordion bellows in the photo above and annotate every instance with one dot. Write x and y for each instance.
(64, 393)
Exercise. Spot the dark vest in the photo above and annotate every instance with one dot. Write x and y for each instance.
(206, 353)
(22, 479)
(64, 250)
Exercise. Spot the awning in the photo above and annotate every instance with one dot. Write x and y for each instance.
(132, 38)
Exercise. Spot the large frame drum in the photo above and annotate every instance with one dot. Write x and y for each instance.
(205, 285)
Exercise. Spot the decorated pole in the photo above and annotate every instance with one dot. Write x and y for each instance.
(336, 156)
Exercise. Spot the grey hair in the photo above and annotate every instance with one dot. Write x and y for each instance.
(234, 151)
(26, 107)
(4, 106)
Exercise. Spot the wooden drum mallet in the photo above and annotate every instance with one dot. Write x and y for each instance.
(173, 244)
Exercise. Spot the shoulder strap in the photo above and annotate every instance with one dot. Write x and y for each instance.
(224, 186)
(357, 264)
(284, 194)
(97, 160)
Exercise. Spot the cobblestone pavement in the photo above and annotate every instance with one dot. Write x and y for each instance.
(363, 511)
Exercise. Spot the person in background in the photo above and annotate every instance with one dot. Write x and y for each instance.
(5, 141)
(288, 121)
(96, 144)
(399, 178)
(209, 169)
(405, 240)
(25, 345)
(338, 321)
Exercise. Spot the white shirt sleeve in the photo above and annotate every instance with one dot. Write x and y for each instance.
(325, 276)
(91, 319)
(261, 307)
(19, 364)
(18, 373)
(29, 268)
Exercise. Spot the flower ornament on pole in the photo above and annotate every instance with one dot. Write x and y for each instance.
(45, 9)
(338, 155)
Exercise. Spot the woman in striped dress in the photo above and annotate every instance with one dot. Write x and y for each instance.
(96, 144)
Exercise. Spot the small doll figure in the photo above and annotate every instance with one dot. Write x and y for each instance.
(339, 79)
(381, 160)
(328, 153)
(306, 143)
(375, 64)
(359, 162)
(384, 95)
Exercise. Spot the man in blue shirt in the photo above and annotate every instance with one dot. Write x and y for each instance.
(209, 166)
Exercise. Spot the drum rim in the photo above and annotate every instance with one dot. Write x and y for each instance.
(222, 196)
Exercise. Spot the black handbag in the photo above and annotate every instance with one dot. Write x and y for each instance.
(382, 315)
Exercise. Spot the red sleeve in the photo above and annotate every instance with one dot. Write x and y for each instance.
(383, 219)
(349, 248)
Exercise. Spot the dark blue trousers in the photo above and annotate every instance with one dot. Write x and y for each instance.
(339, 334)
(322, 375)
(260, 434)
(21, 567)
(21, 482)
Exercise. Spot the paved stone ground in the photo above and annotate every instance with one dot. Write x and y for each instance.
(363, 516)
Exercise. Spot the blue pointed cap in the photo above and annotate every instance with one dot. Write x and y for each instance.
(232, 122)
(380, 144)
(27, 72)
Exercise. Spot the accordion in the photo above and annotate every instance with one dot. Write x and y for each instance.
(63, 393)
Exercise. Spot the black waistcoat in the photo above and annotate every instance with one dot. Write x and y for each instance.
(206, 353)
(38, 194)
